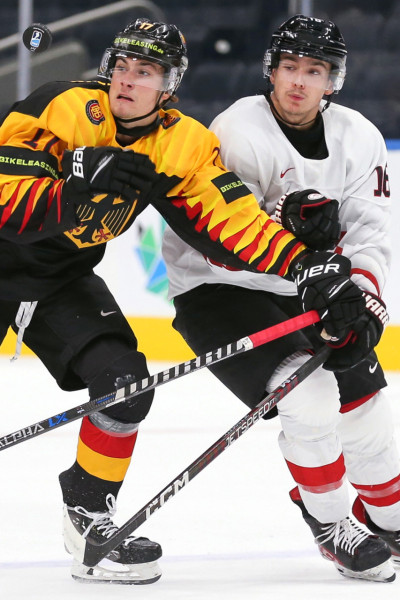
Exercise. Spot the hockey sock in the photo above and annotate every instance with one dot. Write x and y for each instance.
(103, 458)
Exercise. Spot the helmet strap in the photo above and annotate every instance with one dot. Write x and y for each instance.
(139, 131)
(327, 104)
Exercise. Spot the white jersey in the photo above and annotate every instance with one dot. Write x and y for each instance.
(354, 173)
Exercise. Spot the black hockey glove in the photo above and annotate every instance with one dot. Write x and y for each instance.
(107, 170)
(364, 336)
(323, 284)
(311, 217)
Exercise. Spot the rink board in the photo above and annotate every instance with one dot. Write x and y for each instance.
(159, 341)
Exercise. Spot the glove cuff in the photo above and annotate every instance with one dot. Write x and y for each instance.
(73, 170)
(279, 209)
(377, 308)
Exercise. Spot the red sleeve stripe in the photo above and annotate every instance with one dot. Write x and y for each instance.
(215, 232)
(231, 242)
(247, 253)
(59, 188)
(269, 259)
(191, 211)
(10, 205)
(295, 250)
(50, 197)
(368, 276)
(29, 204)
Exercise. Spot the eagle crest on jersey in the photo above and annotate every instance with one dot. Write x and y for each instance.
(106, 219)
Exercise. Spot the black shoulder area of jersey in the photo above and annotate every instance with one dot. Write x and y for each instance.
(36, 102)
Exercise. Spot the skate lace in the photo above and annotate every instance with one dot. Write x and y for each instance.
(103, 520)
(345, 534)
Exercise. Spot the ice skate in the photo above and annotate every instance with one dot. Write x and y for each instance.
(132, 562)
(392, 538)
(354, 552)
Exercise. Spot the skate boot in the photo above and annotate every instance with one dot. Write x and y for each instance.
(392, 538)
(132, 562)
(354, 552)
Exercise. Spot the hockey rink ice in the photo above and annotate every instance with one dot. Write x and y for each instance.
(231, 534)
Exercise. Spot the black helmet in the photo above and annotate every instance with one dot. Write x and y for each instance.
(308, 36)
(158, 42)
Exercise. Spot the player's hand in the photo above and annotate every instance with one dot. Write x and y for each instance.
(108, 170)
(311, 217)
(323, 284)
(364, 335)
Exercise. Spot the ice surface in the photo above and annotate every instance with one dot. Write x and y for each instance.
(231, 534)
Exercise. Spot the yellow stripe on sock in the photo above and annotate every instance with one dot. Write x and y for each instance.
(98, 465)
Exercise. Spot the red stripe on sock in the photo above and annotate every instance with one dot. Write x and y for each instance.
(319, 480)
(382, 494)
(103, 443)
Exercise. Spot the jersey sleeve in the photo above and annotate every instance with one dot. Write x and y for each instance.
(365, 215)
(213, 211)
(238, 153)
(31, 203)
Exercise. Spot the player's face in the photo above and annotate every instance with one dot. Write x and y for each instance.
(299, 84)
(135, 89)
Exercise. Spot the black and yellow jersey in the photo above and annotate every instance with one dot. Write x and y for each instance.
(44, 242)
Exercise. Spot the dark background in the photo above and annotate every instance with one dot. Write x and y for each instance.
(226, 42)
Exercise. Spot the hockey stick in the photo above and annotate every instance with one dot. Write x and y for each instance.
(94, 553)
(132, 390)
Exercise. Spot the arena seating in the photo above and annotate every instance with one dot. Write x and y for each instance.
(226, 43)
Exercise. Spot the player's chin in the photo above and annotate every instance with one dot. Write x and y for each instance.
(123, 107)
(124, 113)
(295, 105)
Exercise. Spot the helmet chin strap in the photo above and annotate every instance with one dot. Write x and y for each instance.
(155, 109)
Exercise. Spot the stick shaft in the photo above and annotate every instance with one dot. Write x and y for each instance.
(95, 553)
(135, 389)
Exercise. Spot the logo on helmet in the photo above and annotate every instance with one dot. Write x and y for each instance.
(141, 43)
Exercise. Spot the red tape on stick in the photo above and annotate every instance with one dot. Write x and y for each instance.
(281, 329)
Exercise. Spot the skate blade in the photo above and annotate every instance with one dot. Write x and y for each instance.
(140, 574)
(383, 573)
